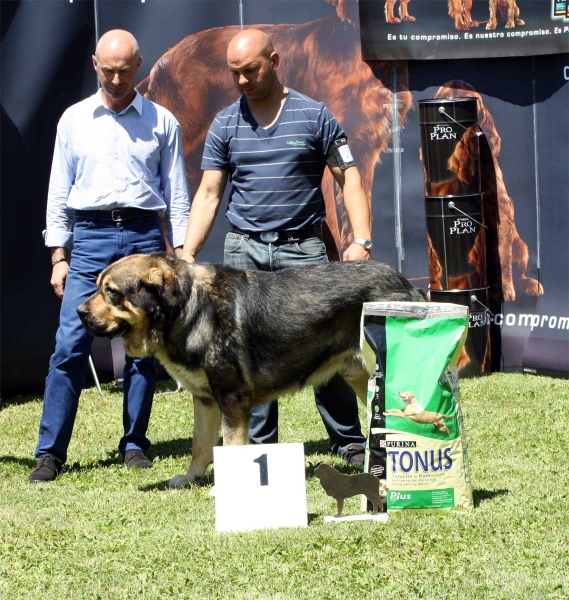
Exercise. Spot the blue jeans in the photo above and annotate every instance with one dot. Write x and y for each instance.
(336, 401)
(96, 244)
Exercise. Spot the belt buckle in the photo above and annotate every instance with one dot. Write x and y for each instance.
(269, 237)
(118, 218)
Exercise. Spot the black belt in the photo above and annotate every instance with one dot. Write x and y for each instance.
(119, 214)
(270, 237)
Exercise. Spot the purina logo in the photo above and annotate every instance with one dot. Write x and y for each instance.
(297, 143)
(396, 444)
(443, 132)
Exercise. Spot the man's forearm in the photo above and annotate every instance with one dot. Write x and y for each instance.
(58, 254)
(202, 216)
(203, 211)
(357, 206)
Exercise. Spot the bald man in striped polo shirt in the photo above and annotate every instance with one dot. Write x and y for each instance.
(273, 145)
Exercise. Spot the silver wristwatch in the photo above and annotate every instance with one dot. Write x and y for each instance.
(365, 243)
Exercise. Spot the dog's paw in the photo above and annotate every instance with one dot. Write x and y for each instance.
(180, 481)
(491, 25)
(409, 19)
(509, 292)
(530, 286)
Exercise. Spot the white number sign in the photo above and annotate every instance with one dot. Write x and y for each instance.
(259, 487)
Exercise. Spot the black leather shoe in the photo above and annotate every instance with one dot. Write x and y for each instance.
(136, 459)
(353, 454)
(48, 468)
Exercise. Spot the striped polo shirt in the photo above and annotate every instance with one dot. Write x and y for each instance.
(276, 173)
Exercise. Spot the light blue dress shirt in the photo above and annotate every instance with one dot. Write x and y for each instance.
(104, 161)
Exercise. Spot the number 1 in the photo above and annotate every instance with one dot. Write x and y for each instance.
(263, 470)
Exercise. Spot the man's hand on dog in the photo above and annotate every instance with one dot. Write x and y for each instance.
(189, 258)
(356, 252)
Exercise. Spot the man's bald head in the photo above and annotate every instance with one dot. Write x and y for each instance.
(118, 41)
(117, 61)
(250, 41)
(253, 63)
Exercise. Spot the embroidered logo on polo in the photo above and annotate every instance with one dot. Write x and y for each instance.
(297, 143)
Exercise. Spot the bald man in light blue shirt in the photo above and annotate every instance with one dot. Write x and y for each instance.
(118, 172)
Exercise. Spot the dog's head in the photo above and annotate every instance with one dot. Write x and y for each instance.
(464, 159)
(325, 472)
(347, 10)
(135, 298)
(407, 397)
(461, 89)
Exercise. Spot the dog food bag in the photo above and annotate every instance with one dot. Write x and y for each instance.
(416, 443)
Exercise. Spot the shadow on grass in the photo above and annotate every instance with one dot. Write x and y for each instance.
(317, 447)
(480, 496)
(113, 458)
(29, 463)
(18, 400)
(171, 448)
(180, 447)
(161, 486)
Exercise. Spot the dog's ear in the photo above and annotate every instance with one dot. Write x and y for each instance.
(164, 283)
(464, 159)
(488, 126)
(346, 10)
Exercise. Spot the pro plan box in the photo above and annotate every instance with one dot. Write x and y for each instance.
(416, 443)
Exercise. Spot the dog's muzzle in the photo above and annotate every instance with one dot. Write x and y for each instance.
(97, 329)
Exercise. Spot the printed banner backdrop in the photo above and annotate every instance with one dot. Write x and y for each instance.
(375, 100)
(432, 29)
(526, 131)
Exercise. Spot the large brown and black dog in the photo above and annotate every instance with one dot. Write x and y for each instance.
(235, 338)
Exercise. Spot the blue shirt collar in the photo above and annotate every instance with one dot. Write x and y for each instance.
(98, 103)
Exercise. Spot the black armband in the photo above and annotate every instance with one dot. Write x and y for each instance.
(340, 154)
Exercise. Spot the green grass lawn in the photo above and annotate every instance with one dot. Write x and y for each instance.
(102, 531)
